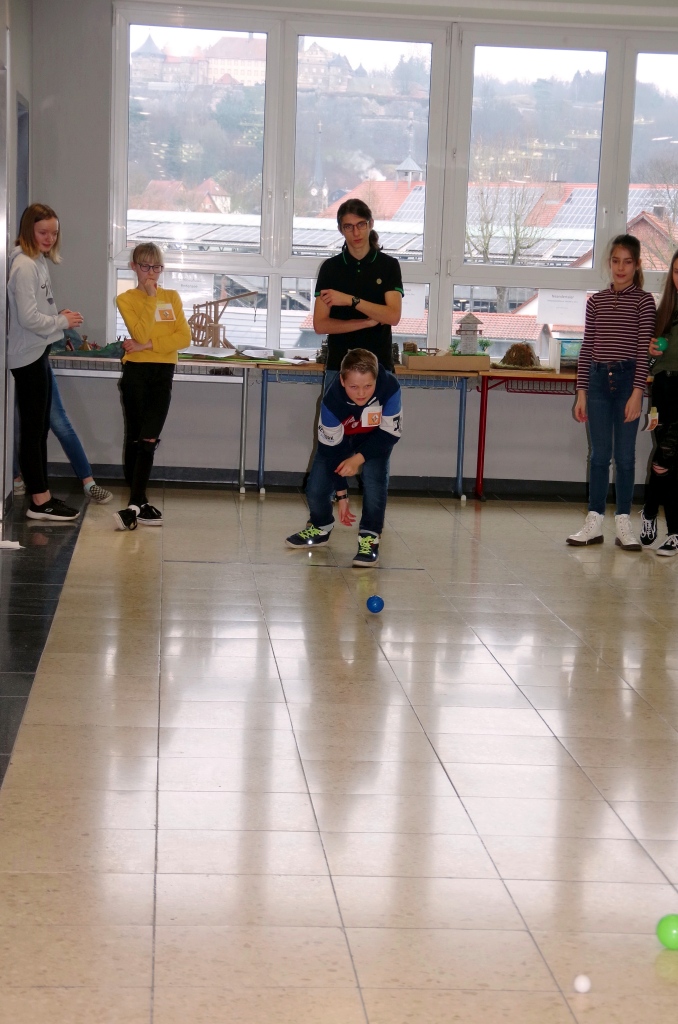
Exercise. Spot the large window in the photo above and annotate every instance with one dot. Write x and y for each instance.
(653, 191)
(495, 161)
(361, 131)
(196, 136)
(535, 155)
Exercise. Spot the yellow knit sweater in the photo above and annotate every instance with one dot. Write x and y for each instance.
(144, 318)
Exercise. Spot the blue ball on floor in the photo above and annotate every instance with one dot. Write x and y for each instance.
(375, 603)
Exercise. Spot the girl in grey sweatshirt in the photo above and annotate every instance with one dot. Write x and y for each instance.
(34, 323)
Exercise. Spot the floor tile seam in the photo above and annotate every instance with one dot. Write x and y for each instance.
(307, 791)
(156, 838)
(508, 892)
(583, 768)
(317, 824)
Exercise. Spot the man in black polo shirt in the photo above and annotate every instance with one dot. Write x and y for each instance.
(358, 296)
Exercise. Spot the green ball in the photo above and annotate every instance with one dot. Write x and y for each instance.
(667, 931)
(662, 344)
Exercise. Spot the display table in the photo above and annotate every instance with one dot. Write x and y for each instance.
(522, 382)
(207, 370)
(312, 373)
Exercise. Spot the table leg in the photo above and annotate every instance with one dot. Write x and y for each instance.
(461, 432)
(243, 428)
(262, 430)
(482, 430)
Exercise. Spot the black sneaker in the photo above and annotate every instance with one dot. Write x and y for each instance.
(52, 511)
(368, 550)
(149, 515)
(670, 546)
(126, 519)
(648, 530)
(309, 537)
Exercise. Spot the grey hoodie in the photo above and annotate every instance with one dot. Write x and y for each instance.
(34, 322)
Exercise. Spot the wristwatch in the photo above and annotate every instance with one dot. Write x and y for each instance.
(354, 301)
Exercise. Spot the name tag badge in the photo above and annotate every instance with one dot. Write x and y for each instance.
(371, 417)
(164, 312)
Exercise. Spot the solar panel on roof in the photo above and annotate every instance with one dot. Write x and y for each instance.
(413, 207)
(232, 233)
(173, 232)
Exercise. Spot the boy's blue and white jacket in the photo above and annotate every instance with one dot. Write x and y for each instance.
(345, 428)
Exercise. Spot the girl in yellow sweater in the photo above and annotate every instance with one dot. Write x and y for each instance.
(155, 320)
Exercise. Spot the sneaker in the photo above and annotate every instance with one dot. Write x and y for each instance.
(669, 547)
(19, 486)
(149, 515)
(126, 519)
(625, 537)
(53, 509)
(648, 530)
(310, 537)
(368, 550)
(590, 533)
(99, 494)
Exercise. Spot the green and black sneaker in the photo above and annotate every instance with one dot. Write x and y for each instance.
(309, 537)
(368, 550)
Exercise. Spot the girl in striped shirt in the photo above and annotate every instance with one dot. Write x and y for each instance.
(611, 379)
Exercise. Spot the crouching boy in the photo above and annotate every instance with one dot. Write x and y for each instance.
(360, 421)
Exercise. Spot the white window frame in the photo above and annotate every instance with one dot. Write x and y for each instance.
(450, 108)
(645, 42)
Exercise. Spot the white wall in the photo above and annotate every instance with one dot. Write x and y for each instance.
(529, 437)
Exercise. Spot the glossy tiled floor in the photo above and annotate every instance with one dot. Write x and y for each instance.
(238, 798)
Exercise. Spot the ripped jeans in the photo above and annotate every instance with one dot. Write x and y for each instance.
(662, 488)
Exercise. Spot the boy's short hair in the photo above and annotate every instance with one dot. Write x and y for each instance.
(359, 360)
(147, 252)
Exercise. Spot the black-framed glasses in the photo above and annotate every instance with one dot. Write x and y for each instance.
(360, 226)
(155, 267)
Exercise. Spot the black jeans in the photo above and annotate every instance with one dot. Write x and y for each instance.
(662, 488)
(33, 385)
(146, 390)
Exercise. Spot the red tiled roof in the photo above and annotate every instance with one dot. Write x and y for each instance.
(384, 198)
(492, 325)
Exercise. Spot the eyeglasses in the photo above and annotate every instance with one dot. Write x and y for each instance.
(155, 267)
(360, 226)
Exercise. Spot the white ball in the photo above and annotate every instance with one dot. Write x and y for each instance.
(582, 983)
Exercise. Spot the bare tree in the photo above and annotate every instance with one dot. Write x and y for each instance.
(662, 174)
(500, 230)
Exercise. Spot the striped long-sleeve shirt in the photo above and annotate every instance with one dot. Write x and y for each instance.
(619, 325)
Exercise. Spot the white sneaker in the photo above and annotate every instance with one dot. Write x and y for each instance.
(590, 533)
(625, 537)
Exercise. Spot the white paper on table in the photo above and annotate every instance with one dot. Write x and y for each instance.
(558, 306)
(10, 545)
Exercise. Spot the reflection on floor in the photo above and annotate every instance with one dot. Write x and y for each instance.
(239, 798)
(30, 584)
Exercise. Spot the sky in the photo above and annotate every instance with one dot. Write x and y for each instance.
(504, 63)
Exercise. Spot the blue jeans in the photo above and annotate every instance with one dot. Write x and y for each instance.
(62, 428)
(329, 379)
(323, 482)
(610, 387)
